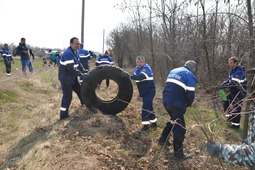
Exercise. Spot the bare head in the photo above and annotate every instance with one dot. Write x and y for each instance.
(74, 43)
(5, 46)
(107, 52)
(23, 41)
(191, 65)
(232, 62)
(140, 61)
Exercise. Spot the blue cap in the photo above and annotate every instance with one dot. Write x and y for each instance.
(81, 44)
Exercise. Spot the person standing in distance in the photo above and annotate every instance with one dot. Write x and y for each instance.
(69, 69)
(178, 93)
(84, 58)
(25, 52)
(7, 55)
(105, 59)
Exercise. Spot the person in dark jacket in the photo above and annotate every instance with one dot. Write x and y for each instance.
(237, 86)
(144, 80)
(178, 93)
(25, 52)
(69, 69)
(105, 59)
(8, 60)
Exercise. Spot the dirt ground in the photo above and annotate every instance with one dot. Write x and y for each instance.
(32, 137)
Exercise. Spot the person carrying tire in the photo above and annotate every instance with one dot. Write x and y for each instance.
(69, 70)
(144, 80)
(7, 56)
(105, 59)
(178, 93)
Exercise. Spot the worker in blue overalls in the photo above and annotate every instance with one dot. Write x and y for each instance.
(105, 59)
(144, 79)
(69, 69)
(84, 58)
(178, 93)
(237, 86)
(7, 55)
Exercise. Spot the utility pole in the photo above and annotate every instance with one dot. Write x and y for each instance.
(82, 21)
(103, 41)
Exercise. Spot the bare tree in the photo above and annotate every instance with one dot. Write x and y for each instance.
(250, 63)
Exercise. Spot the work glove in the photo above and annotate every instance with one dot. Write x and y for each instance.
(213, 148)
(220, 86)
(84, 71)
(125, 74)
(85, 75)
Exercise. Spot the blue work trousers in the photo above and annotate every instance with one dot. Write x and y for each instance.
(27, 63)
(179, 129)
(148, 115)
(67, 90)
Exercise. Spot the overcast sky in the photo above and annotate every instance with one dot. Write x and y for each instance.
(52, 23)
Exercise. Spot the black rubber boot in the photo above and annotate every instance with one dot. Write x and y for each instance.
(145, 128)
(178, 153)
(163, 140)
(154, 126)
(63, 115)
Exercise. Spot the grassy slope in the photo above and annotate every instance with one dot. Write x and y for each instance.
(31, 137)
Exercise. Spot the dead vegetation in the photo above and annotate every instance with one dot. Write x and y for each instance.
(31, 137)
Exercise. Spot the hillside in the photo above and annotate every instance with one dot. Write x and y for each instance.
(32, 137)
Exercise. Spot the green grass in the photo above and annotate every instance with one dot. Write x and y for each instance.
(29, 86)
(26, 85)
(7, 96)
(12, 125)
(17, 64)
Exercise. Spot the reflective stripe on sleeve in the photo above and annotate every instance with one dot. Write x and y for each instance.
(84, 56)
(238, 80)
(7, 55)
(66, 62)
(181, 84)
(146, 78)
(106, 62)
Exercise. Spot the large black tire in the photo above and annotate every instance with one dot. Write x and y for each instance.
(89, 85)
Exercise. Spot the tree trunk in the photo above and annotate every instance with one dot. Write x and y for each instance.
(250, 63)
(151, 39)
(207, 57)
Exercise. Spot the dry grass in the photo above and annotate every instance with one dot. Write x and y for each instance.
(31, 137)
